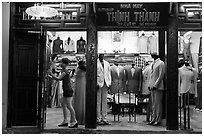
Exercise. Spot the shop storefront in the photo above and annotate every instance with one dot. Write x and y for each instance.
(33, 40)
(120, 31)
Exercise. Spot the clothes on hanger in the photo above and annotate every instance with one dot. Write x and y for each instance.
(153, 43)
(140, 61)
(142, 44)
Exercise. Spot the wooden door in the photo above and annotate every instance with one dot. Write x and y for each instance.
(25, 79)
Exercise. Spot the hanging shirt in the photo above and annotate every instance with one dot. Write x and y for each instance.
(142, 44)
(139, 62)
(153, 43)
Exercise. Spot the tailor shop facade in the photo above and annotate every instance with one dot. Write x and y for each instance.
(24, 52)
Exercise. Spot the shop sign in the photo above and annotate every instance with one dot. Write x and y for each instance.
(132, 14)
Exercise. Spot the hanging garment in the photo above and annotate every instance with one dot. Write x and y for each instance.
(146, 77)
(79, 96)
(140, 62)
(186, 79)
(81, 46)
(153, 43)
(200, 56)
(118, 79)
(142, 44)
(195, 60)
(69, 45)
(193, 89)
(103, 73)
(157, 75)
(133, 83)
(186, 50)
(180, 44)
(58, 46)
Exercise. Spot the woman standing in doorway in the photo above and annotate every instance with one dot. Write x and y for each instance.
(80, 92)
(67, 94)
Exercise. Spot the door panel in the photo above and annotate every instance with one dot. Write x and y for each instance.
(25, 77)
(42, 81)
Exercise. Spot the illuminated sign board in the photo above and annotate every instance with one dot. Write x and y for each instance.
(132, 14)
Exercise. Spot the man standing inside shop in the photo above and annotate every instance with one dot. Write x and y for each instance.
(156, 86)
(103, 84)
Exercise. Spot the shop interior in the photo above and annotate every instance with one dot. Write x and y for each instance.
(66, 44)
(123, 48)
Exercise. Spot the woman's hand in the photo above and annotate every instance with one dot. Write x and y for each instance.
(50, 72)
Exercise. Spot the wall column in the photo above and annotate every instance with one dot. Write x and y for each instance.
(91, 62)
(172, 70)
(5, 58)
(162, 57)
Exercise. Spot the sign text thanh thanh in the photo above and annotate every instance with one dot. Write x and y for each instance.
(122, 14)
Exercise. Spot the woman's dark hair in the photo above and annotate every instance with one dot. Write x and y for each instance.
(53, 56)
(65, 61)
(82, 65)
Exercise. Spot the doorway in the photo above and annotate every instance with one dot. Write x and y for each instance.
(68, 48)
(26, 78)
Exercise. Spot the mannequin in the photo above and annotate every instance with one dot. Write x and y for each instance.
(69, 45)
(81, 45)
(187, 84)
(58, 45)
(156, 86)
(117, 77)
(133, 79)
(187, 79)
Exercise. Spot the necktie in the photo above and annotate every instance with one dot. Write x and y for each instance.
(132, 71)
(153, 66)
(102, 63)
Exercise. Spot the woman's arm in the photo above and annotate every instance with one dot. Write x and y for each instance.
(59, 77)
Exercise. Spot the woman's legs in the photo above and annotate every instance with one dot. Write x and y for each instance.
(68, 101)
(64, 108)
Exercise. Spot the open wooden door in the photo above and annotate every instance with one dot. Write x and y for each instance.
(43, 92)
(27, 88)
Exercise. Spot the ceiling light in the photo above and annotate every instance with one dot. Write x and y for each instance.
(41, 11)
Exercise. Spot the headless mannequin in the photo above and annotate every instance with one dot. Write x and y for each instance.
(81, 45)
(58, 45)
(69, 45)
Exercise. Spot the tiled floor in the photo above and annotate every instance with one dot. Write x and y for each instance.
(55, 116)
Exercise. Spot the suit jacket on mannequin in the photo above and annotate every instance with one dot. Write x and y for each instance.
(56, 46)
(187, 77)
(146, 77)
(69, 45)
(103, 74)
(157, 75)
(134, 82)
(118, 79)
(81, 45)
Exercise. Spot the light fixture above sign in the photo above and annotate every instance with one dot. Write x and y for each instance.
(40, 11)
